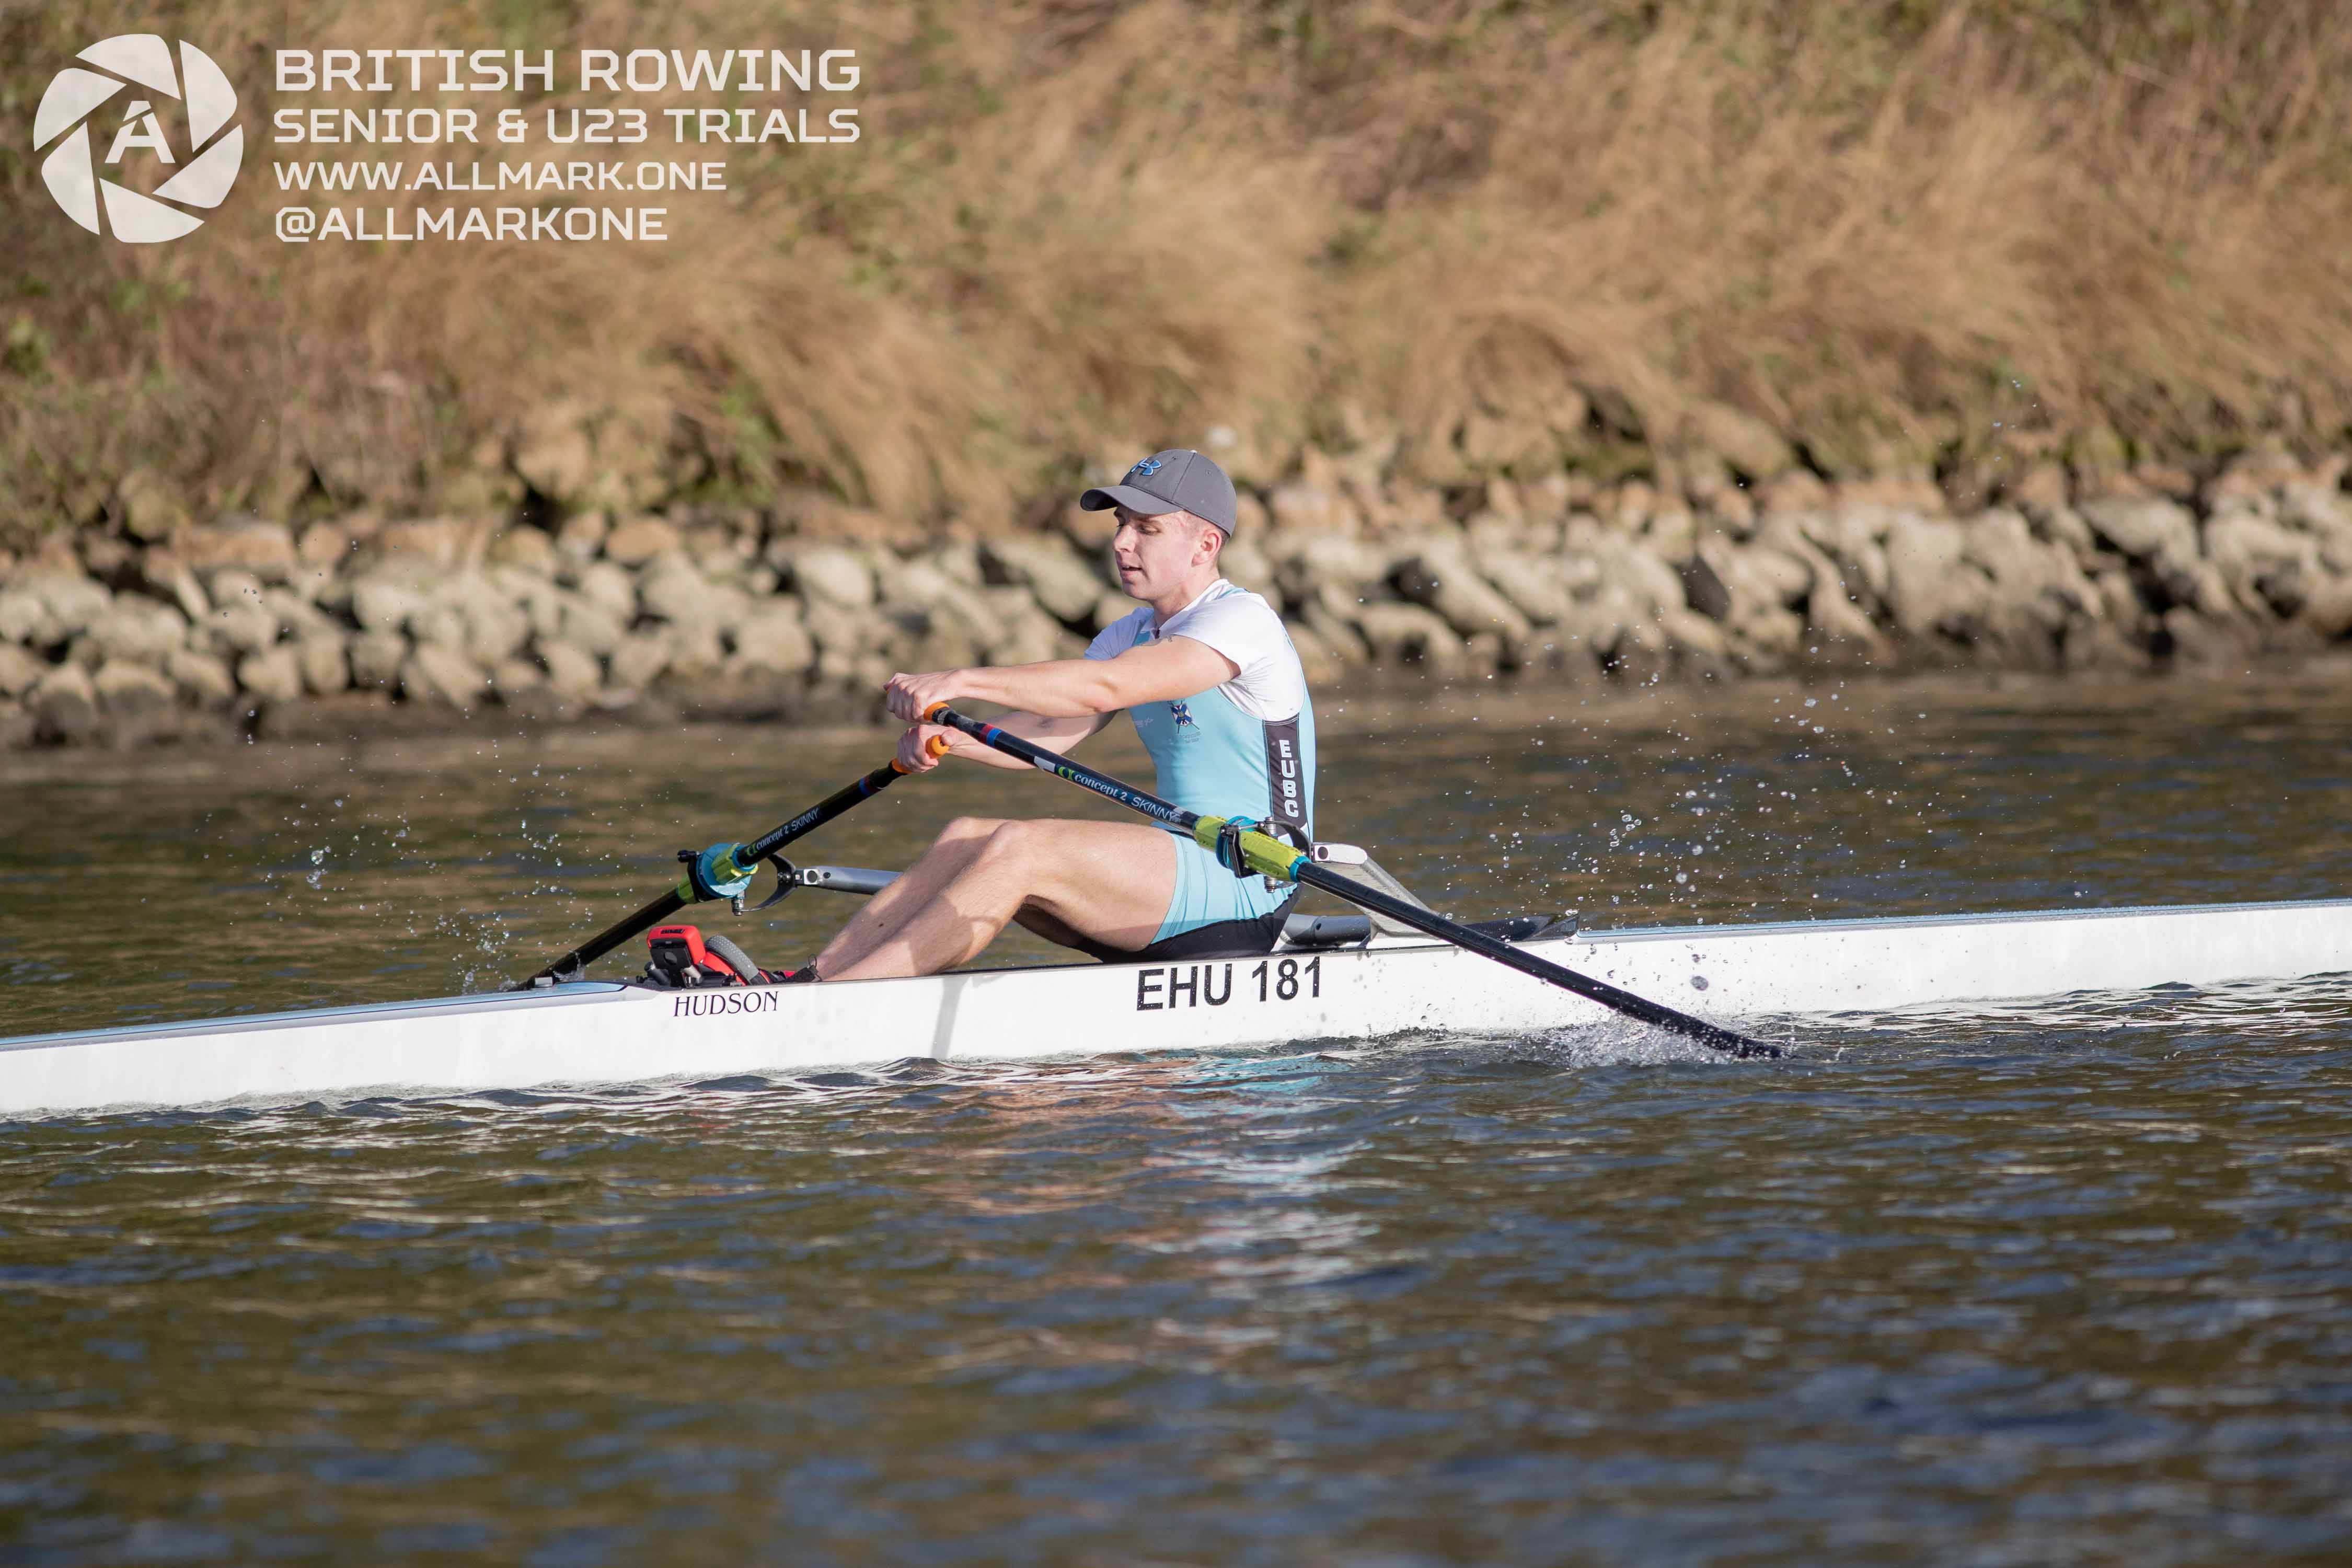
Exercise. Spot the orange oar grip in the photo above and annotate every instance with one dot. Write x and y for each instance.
(937, 746)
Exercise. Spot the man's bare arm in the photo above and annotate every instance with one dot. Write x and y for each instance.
(1071, 688)
(1053, 735)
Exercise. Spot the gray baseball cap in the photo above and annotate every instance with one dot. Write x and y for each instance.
(1179, 479)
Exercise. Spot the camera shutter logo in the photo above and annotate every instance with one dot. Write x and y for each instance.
(75, 170)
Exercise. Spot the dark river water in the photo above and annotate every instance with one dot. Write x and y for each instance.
(2060, 1283)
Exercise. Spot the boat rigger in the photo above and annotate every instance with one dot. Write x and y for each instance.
(1366, 987)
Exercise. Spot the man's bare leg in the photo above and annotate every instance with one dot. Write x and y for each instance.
(950, 854)
(1110, 881)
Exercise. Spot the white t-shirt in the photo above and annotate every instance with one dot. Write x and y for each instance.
(1268, 682)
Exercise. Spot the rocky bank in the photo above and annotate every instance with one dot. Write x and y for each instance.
(241, 626)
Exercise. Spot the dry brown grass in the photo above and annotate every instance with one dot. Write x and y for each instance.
(1899, 232)
(1983, 235)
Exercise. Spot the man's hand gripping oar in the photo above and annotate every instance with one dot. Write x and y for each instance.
(1241, 848)
(725, 872)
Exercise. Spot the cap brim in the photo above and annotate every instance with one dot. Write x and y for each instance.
(1143, 503)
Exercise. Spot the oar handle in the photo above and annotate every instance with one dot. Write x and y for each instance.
(938, 745)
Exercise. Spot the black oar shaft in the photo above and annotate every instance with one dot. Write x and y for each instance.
(614, 936)
(823, 811)
(1710, 1035)
(572, 963)
(1282, 861)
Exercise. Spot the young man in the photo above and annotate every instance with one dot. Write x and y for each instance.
(1215, 690)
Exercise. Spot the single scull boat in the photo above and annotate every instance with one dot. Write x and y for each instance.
(1334, 980)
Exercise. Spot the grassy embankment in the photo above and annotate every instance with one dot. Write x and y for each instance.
(1897, 233)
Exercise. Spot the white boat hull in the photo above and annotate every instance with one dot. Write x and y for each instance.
(602, 1033)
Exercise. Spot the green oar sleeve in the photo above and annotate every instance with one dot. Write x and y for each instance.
(1267, 855)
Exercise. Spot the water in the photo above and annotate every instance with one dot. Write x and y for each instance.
(2067, 1282)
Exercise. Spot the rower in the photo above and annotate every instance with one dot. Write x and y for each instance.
(1214, 687)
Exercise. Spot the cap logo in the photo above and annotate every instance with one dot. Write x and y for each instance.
(1144, 469)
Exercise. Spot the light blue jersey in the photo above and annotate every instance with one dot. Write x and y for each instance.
(1246, 748)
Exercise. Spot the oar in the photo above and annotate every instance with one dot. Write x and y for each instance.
(741, 861)
(1269, 857)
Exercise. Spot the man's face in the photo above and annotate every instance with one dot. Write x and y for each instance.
(1156, 554)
